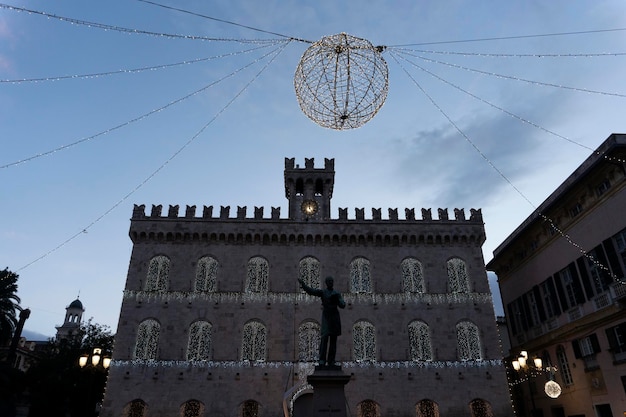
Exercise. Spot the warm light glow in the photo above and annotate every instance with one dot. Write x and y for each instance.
(95, 360)
(524, 354)
(106, 362)
(552, 389)
(97, 351)
(522, 361)
(82, 361)
(538, 363)
(341, 81)
(516, 365)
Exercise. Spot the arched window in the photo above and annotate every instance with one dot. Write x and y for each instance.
(368, 408)
(480, 408)
(250, 408)
(257, 277)
(419, 341)
(364, 341)
(192, 408)
(309, 269)
(458, 281)
(206, 274)
(566, 374)
(468, 341)
(147, 340)
(200, 341)
(308, 341)
(254, 341)
(158, 274)
(427, 408)
(135, 408)
(360, 281)
(412, 275)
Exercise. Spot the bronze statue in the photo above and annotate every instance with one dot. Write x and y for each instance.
(331, 322)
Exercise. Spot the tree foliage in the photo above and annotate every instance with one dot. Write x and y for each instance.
(58, 385)
(9, 304)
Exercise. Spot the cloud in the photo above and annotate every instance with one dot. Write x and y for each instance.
(494, 153)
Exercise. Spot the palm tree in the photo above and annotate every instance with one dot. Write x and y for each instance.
(8, 304)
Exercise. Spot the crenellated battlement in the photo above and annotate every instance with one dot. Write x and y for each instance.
(207, 213)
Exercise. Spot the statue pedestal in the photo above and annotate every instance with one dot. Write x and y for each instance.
(329, 399)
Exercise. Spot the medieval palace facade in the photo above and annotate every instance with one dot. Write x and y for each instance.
(214, 323)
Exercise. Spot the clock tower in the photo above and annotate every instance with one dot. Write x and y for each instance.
(309, 189)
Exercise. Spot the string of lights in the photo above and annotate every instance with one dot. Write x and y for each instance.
(500, 55)
(510, 77)
(272, 56)
(224, 21)
(135, 119)
(134, 70)
(502, 175)
(130, 30)
(502, 38)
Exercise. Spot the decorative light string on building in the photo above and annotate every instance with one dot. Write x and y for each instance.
(295, 298)
(305, 365)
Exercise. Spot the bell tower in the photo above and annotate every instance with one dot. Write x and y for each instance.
(308, 189)
(73, 319)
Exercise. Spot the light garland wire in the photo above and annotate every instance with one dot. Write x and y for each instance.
(130, 30)
(515, 116)
(223, 21)
(510, 77)
(134, 70)
(501, 38)
(500, 55)
(276, 52)
(503, 176)
(136, 119)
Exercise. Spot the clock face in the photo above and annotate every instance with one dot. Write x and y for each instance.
(309, 207)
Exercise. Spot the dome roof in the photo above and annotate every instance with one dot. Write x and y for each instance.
(76, 304)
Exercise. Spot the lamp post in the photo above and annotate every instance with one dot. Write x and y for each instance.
(96, 356)
(530, 369)
(97, 364)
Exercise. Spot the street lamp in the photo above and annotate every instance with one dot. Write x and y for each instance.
(95, 359)
(522, 366)
(99, 365)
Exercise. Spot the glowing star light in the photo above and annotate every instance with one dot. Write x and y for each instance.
(341, 81)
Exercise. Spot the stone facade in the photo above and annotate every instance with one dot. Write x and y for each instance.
(419, 331)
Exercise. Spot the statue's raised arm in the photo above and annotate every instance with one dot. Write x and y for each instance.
(331, 322)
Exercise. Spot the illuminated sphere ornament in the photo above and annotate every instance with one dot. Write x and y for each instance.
(552, 389)
(341, 81)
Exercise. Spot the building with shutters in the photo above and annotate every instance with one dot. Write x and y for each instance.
(214, 323)
(561, 277)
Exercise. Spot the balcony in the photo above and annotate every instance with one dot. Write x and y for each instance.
(618, 291)
(574, 313)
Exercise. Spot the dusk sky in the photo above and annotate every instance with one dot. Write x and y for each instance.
(491, 105)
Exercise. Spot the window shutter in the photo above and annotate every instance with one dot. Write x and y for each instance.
(539, 301)
(526, 317)
(578, 291)
(612, 338)
(576, 347)
(613, 261)
(560, 291)
(553, 297)
(595, 345)
(584, 276)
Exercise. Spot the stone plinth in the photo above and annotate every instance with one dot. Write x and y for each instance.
(329, 399)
